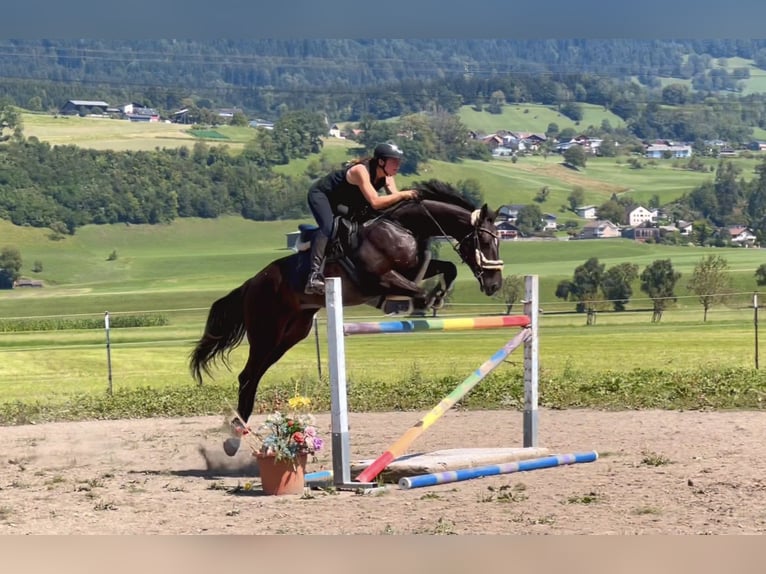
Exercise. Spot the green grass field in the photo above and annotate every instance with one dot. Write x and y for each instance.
(534, 118)
(178, 270)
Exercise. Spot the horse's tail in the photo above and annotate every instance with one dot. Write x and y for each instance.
(224, 330)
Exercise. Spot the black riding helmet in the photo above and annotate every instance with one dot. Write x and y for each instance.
(386, 150)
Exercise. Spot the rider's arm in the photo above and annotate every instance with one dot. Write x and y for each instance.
(360, 177)
(391, 185)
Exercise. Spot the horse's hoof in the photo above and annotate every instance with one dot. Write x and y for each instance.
(231, 446)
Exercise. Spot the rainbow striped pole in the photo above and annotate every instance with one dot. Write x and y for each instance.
(448, 324)
(398, 448)
(491, 470)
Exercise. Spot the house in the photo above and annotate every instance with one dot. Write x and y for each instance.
(599, 229)
(492, 141)
(84, 107)
(684, 227)
(507, 230)
(641, 215)
(129, 108)
(182, 117)
(641, 232)
(228, 113)
(335, 132)
(534, 141)
(586, 211)
(561, 147)
(509, 212)
(144, 115)
(662, 150)
(757, 145)
(259, 123)
(500, 151)
(741, 235)
(550, 222)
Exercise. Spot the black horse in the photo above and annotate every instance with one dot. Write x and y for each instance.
(390, 260)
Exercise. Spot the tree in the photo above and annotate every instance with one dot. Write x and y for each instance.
(756, 203)
(760, 274)
(608, 147)
(470, 189)
(710, 281)
(298, 134)
(576, 197)
(552, 131)
(239, 119)
(572, 110)
(542, 194)
(584, 288)
(496, 101)
(658, 281)
(612, 211)
(10, 119)
(575, 155)
(10, 265)
(511, 291)
(529, 219)
(616, 284)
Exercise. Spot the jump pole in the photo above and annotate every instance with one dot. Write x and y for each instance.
(400, 446)
(341, 472)
(491, 470)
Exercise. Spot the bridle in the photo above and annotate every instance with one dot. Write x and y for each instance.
(482, 263)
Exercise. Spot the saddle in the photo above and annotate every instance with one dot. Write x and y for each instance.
(341, 248)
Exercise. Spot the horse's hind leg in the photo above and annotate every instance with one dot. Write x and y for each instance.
(267, 346)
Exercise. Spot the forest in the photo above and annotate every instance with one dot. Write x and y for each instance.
(419, 84)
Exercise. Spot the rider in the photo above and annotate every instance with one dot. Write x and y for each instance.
(356, 186)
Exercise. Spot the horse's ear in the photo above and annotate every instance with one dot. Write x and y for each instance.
(485, 211)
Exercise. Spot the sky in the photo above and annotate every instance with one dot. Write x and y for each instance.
(297, 19)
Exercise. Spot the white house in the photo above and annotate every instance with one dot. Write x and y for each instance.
(586, 211)
(599, 230)
(659, 151)
(335, 131)
(640, 215)
(549, 222)
(742, 236)
(684, 227)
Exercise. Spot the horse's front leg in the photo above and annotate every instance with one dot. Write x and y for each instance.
(397, 284)
(446, 271)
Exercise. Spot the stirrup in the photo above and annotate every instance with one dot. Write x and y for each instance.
(315, 285)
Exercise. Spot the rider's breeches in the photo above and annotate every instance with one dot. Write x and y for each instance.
(319, 205)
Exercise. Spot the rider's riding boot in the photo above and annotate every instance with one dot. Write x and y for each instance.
(315, 284)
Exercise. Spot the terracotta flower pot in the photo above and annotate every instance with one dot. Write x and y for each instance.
(280, 477)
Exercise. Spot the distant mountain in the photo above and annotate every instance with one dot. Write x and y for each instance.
(346, 64)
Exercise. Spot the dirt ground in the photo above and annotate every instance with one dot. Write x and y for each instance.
(658, 472)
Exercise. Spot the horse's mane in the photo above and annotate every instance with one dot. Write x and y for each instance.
(436, 190)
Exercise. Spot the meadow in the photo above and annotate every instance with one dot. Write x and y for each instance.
(178, 270)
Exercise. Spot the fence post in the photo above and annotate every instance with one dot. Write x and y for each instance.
(108, 352)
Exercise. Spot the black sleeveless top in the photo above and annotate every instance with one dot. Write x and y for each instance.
(340, 192)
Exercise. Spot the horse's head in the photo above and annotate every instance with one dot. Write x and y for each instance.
(480, 250)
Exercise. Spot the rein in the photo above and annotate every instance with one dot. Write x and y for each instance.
(482, 262)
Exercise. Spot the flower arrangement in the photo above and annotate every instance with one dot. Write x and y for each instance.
(286, 436)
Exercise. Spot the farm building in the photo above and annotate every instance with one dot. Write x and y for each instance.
(84, 107)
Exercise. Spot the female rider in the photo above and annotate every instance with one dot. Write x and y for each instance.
(355, 186)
